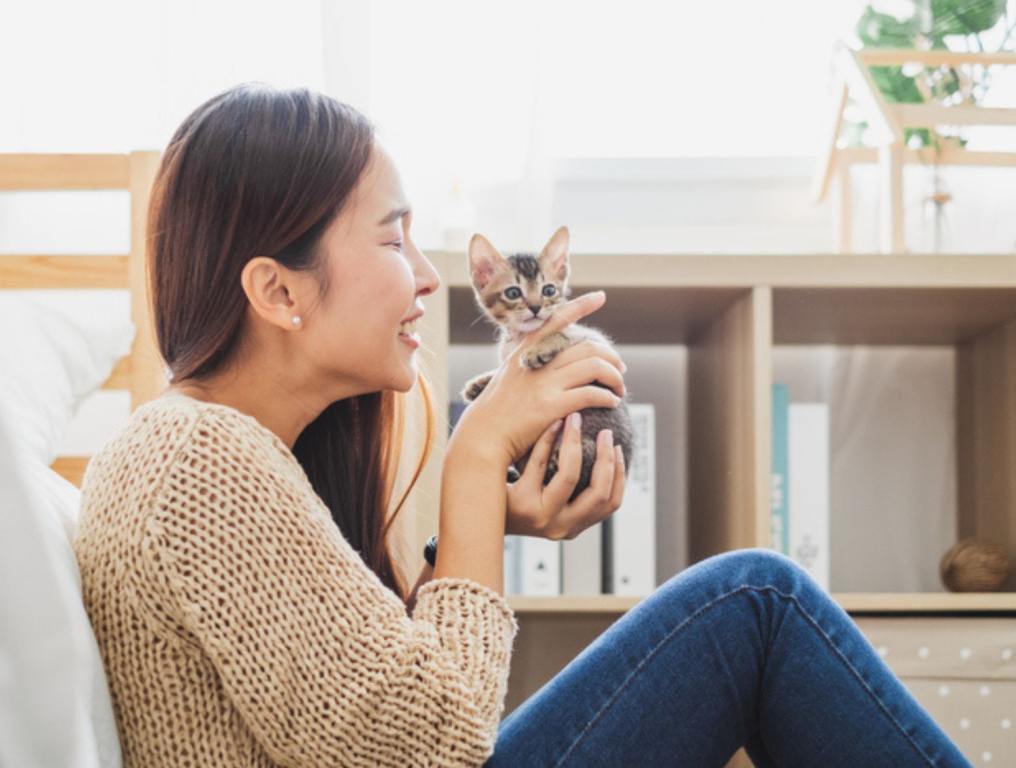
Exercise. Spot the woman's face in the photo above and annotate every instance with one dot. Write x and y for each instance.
(377, 276)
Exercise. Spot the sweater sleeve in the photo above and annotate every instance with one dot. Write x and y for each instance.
(316, 654)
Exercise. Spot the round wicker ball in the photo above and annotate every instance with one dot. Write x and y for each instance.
(971, 565)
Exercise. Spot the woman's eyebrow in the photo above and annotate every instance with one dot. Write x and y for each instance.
(398, 213)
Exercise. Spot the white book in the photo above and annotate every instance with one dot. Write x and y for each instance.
(539, 566)
(808, 492)
(633, 525)
(512, 566)
(582, 560)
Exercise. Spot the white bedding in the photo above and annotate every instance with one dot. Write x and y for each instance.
(55, 708)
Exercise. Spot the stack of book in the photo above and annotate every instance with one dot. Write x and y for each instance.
(616, 556)
(800, 483)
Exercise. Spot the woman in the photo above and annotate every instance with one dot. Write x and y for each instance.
(234, 536)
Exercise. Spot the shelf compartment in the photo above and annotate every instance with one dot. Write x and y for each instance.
(979, 323)
(726, 332)
(666, 315)
(895, 315)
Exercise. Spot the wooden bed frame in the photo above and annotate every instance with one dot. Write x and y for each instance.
(142, 371)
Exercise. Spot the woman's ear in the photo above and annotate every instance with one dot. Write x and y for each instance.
(264, 281)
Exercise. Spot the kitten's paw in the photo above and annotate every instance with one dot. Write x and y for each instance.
(538, 357)
(474, 387)
(531, 359)
(545, 351)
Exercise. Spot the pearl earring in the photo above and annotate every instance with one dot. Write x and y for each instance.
(296, 319)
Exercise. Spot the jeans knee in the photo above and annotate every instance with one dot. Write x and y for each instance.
(761, 566)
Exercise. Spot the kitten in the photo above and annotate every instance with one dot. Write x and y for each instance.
(519, 293)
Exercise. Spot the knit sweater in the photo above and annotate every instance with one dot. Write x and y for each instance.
(239, 627)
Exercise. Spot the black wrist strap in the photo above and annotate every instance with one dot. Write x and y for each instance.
(430, 550)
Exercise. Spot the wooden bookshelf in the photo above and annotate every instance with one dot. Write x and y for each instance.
(852, 602)
(731, 311)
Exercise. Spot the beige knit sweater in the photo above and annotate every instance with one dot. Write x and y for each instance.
(240, 628)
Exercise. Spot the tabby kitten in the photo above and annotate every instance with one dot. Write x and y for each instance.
(519, 293)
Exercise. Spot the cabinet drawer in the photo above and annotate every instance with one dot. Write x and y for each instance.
(962, 671)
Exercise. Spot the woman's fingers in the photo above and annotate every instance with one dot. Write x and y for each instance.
(591, 396)
(602, 479)
(569, 465)
(617, 488)
(591, 506)
(588, 349)
(536, 467)
(590, 369)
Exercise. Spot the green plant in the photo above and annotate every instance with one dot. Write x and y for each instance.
(933, 24)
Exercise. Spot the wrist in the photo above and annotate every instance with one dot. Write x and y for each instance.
(478, 454)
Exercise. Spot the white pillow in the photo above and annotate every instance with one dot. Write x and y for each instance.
(50, 363)
(55, 707)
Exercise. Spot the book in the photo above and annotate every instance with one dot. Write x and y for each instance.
(629, 538)
(779, 528)
(512, 586)
(539, 566)
(582, 563)
(808, 488)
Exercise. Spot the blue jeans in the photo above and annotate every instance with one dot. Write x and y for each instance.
(741, 649)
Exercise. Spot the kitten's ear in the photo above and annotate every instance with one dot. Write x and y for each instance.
(554, 257)
(484, 261)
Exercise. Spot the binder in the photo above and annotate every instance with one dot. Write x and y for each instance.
(808, 452)
(779, 528)
(631, 534)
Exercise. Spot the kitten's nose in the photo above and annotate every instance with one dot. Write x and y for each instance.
(535, 310)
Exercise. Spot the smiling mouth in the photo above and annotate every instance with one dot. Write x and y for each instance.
(408, 330)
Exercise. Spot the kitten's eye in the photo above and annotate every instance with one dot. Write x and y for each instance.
(513, 292)
(549, 289)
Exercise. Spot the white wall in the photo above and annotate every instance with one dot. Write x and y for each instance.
(119, 75)
(116, 76)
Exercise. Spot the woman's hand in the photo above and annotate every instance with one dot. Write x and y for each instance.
(544, 511)
(519, 403)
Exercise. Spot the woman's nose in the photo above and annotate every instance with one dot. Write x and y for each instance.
(427, 278)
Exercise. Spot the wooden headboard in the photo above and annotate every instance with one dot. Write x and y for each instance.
(141, 372)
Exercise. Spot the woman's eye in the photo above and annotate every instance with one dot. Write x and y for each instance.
(548, 290)
(513, 292)
(397, 244)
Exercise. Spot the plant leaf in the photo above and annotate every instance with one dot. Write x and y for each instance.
(880, 30)
(964, 17)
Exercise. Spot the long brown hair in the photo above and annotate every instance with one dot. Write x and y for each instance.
(260, 171)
